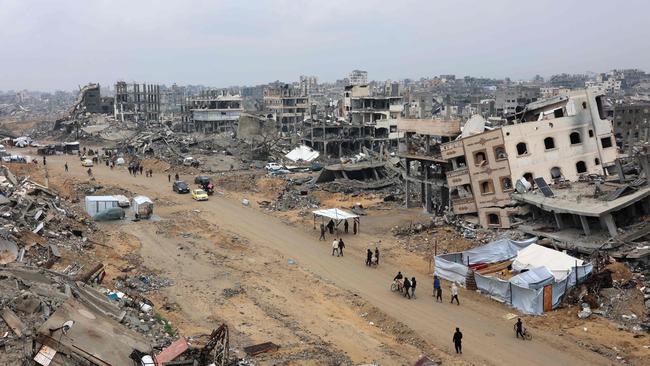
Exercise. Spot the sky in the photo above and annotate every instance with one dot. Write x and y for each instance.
(60, 45)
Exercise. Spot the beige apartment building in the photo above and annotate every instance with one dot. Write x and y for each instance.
(558, 139)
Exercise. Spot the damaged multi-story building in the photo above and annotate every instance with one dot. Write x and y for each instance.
(510, 98)
(424, 169)
(213, 111)
(288, 105)
(631, 121)
(558, 139)
(139, 103)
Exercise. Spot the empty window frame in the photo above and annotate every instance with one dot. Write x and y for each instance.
(487, 187)
(522, 148)
(606, 142)
(500, 153)
(575, 139)
(480, 158)
(493, 219)
(581, 167)
(549, 143)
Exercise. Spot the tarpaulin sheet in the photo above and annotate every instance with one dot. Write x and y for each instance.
(533, 278)
(493, 286)
(335, 213)
(450, 271)
(496, 251)
(528, 301)
(538, 256)
(302, 153)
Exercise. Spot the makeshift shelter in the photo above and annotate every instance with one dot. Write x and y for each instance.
(337, 215)
(142, 207)
(542, 275)
(302, 153)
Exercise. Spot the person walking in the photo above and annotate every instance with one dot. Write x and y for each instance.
(437, 290)
(44, 160)
(330, 226)
(346, 226)
(341, 246)
(369, 258)
(66, 166)
(335, 247)
(354, 228)
(176, 176)
(407, 287)
(454, 293)
(519, 326)
(413, 284)
(458, 340)
(169, 178)
(141, 168)
(376, 256)
(322, 232)
(90, 172)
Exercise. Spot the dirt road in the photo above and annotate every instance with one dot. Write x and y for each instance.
(488, 337)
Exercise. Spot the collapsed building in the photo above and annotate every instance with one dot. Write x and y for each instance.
(211, 112)
(137, 103)
(424, 168)
(557, 139)
(631, 123)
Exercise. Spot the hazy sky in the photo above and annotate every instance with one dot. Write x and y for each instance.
(61, 44)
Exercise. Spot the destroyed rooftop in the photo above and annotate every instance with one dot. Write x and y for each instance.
(578, 198)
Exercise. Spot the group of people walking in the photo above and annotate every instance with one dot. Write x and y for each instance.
(337, 247)
(372, 258)
(405, 286)
(437, 291)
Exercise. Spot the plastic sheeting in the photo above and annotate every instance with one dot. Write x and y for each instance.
(335, 213)
(302, 153)
(528, 301)
(533, 278)
(560, 264)
(496, 251)
(449, 270)
(493, 286)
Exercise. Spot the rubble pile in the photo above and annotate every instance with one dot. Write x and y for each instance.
(39, 222)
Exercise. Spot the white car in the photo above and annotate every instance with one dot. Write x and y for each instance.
(273, 166)
(87, 163)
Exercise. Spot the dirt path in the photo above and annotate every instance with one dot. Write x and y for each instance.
(488, 338)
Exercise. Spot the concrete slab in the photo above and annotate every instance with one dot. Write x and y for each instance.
(95, 337)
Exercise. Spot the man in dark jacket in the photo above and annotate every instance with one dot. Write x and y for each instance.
(437, 290)
(346, 226)
(369, 258)
(341, 246)
(322, 232)
(407, 287)
(458, 337)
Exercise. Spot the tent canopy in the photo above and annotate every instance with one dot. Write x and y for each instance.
(496, 251)
(302, 153)
(335, 214)
(141, 200)
(533, 278)
(560, 264)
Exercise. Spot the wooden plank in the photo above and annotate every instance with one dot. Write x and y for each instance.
(261, 348)
(13, 321)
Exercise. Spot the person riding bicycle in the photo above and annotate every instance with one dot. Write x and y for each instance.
(519, 327)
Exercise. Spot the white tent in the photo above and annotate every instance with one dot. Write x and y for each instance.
(302, 153)
(337, 215)
(533, 256)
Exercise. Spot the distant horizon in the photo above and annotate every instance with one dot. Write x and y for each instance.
(61, 45)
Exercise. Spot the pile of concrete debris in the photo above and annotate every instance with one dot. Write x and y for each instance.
(36, 223)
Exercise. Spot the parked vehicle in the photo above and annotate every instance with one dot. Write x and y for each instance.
(201, 179)
(199, 195)
(114, 213)
(180, 187)
(87, 163)
(273, 166)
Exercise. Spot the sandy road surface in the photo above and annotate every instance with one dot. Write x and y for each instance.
(488, 338)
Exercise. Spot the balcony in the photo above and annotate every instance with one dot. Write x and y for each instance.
(463, 205)
(458, 177)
